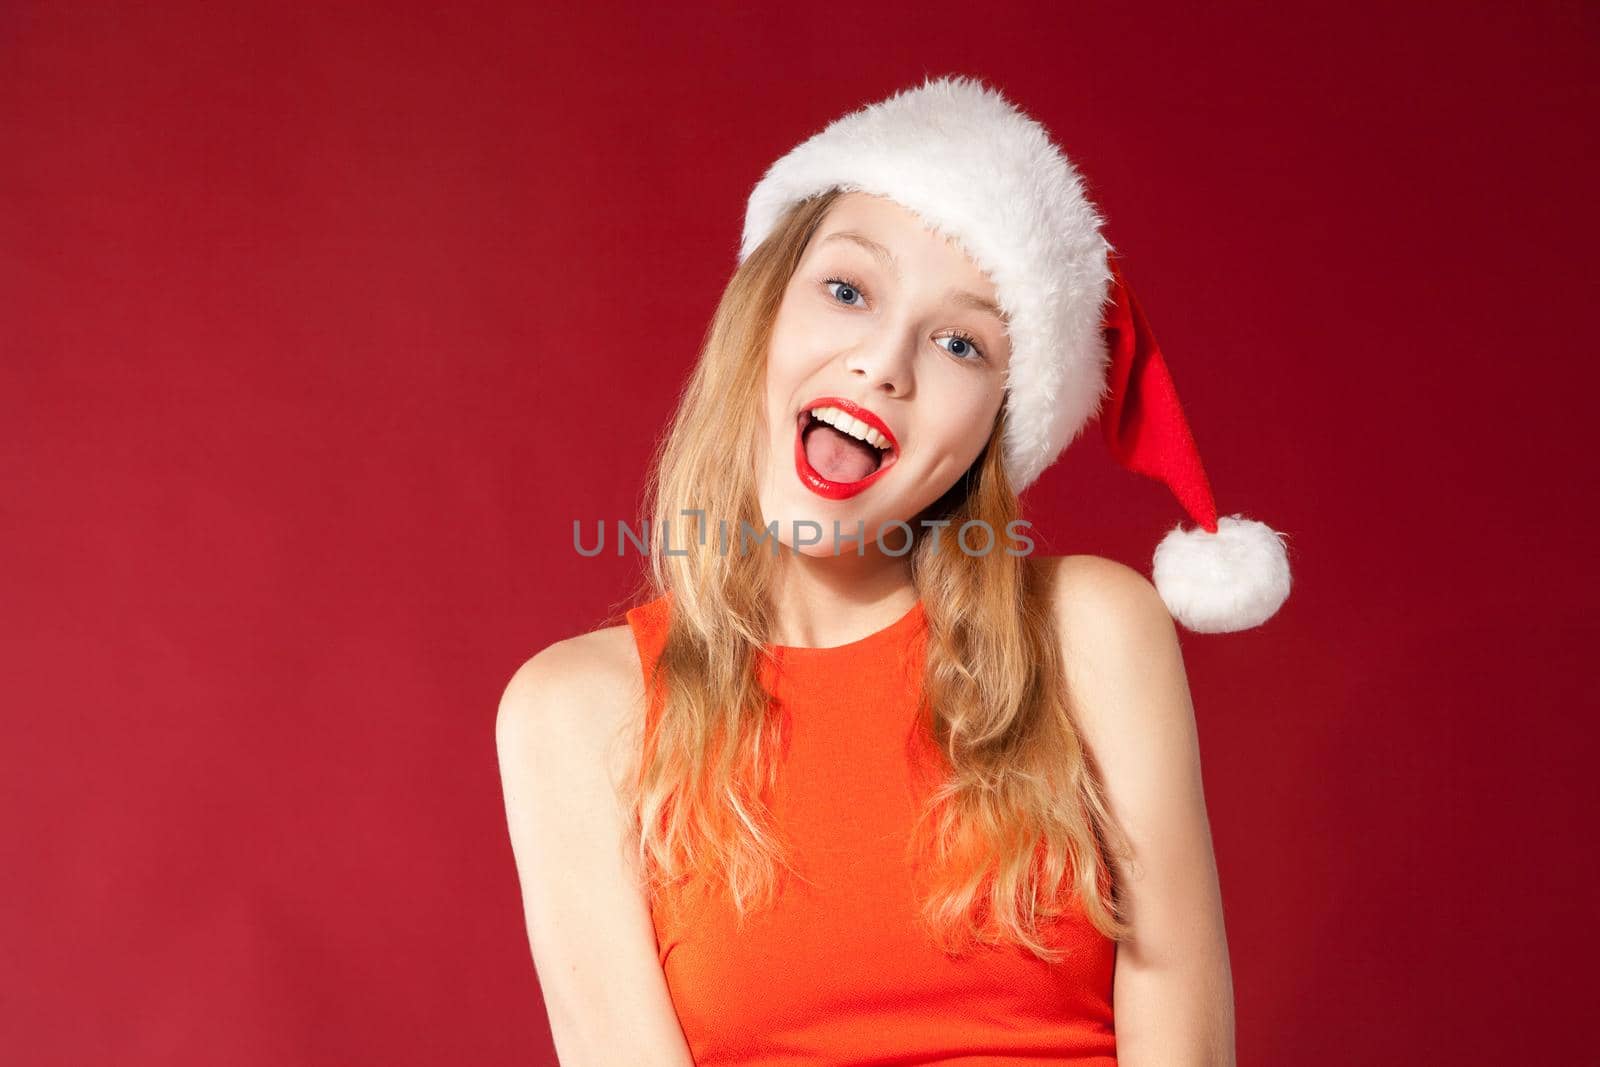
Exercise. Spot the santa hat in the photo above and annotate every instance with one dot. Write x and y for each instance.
(974, 167)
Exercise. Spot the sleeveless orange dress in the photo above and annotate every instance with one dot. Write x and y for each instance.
(838, 972)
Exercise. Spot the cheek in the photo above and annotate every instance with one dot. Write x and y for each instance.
(793, 357)
(793, 343)
(781, 383)
(961, 426)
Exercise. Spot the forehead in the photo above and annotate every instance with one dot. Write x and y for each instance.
(898, 228)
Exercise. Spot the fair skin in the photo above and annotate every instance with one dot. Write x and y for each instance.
(886, 343)
(903, 341)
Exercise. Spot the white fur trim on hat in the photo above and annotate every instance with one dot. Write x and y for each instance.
(977, 169)
(1231, 580)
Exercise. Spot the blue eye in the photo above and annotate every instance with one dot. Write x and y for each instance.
(845, 286)
(965, 347)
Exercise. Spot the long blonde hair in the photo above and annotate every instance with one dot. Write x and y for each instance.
(1019, 819)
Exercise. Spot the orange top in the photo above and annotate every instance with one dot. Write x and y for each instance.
(838, 971)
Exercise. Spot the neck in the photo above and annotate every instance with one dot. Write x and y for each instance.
(828, 600)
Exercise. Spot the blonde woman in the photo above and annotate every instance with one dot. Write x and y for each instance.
(860, 778)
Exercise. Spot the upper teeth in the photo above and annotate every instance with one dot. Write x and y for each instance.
(851, 425)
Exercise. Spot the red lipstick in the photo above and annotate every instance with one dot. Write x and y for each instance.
(824, 487)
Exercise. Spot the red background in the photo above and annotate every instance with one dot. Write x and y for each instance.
(322, 324)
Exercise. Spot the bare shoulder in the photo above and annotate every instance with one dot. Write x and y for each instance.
(1120, 651)
(563, 736)
(606, 658)
(578, 693)
(1129, 695)
(1101, 604)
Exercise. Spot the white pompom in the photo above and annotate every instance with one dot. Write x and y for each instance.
(1217, 583)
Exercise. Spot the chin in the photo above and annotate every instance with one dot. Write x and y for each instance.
(823, 551)
(790, 513)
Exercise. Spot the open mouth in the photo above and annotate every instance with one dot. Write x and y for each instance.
(837, 453)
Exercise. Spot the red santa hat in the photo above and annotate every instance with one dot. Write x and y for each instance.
(974, 167)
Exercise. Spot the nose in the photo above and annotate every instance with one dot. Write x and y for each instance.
(884, 362)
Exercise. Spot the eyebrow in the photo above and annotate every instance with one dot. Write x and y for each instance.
(962, 297)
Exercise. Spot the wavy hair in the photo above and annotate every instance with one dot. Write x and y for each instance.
(1018, 829)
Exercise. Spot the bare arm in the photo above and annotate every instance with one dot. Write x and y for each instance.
(1174, 986)
(588, 922)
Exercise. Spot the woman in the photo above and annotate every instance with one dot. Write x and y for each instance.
(883, 786)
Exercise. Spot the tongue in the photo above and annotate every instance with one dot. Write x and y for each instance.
(837, 456)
